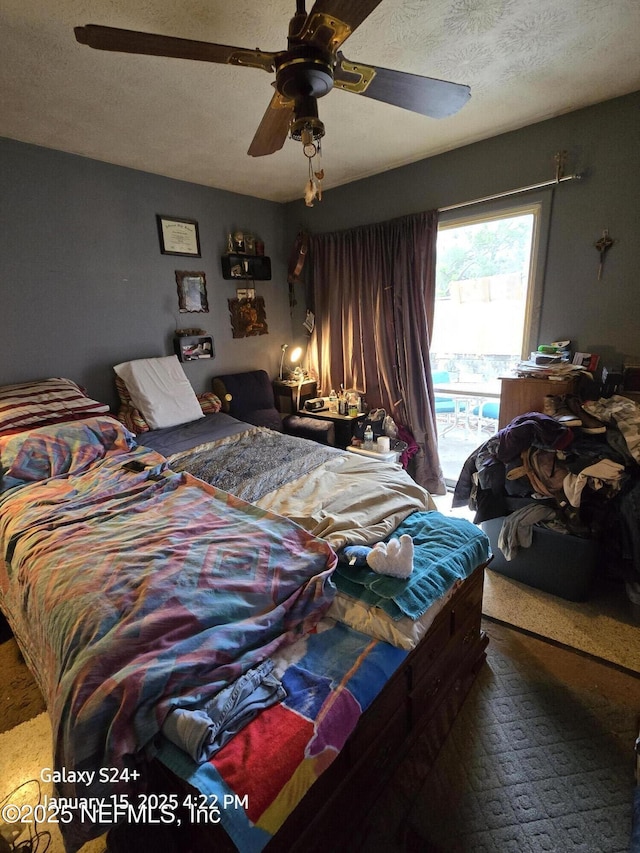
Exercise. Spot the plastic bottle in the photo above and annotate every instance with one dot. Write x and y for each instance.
(368, 438)
(333, 401)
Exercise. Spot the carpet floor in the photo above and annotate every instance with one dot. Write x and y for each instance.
(605, 626)
(24, 751)
(539, 759)
(20, 697)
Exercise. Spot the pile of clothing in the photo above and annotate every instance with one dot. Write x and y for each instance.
(575, 468)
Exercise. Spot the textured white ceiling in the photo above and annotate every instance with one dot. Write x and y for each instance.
(525, 60)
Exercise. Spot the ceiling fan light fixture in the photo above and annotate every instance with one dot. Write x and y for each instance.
(304, 76)
(307, 130)
(306, 126)
(308, 69)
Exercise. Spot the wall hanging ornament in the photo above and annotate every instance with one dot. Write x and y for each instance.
(248, 317)
(603, 245)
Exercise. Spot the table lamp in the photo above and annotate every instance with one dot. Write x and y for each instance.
(294, 359)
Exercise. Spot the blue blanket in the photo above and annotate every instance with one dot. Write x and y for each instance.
(446, 549)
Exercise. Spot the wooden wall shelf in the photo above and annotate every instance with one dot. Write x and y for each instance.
(252, 267)
(193, 347)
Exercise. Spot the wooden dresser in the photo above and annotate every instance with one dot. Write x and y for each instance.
(520, 395)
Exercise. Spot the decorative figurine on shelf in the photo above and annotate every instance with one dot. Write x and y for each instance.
(187, 333)
(243, 243)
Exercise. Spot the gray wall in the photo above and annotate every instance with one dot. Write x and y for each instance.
(84, 284)
(603, 142)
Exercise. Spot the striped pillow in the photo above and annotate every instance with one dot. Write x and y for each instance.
(128, 414)
(209, 402)
(45, 401)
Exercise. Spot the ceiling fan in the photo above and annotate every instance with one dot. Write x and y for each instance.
(307, 70)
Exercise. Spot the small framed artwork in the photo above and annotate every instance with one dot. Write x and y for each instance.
(248, 317)
(192, 291)
(178, 236)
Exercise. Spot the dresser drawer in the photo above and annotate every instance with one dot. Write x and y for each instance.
(469, 601)
(373, 758)
(392, 703)
(433, 682)
(431, 648)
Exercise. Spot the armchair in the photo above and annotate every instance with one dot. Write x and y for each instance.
(249, 397)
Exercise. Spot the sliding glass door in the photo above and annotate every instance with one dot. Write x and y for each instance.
(485, 321)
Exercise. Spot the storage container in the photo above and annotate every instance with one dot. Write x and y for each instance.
(558, 563)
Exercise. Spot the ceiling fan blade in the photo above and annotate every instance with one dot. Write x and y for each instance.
(274, 127)
(425, 95)
(131, 41)
(331, 22)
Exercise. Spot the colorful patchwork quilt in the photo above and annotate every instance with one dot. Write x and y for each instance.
(134, 591)
(256, 780)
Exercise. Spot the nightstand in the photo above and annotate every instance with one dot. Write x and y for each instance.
(286, 394)
(388, 456)
(344, 424)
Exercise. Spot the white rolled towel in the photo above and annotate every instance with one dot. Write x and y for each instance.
(394, 558)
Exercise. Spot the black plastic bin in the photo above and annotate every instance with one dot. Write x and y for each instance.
(558, 563)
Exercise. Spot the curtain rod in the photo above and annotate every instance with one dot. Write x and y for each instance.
(508, 193)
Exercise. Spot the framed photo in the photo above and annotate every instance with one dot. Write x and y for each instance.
(192, 291)
(246, 293)
(178, 236)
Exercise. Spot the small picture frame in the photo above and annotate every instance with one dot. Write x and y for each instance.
(192, 292)
(246, 293)
(178, 236)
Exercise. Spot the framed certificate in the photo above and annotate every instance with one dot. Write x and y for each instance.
(178, 236)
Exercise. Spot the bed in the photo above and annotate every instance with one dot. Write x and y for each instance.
(174, 593)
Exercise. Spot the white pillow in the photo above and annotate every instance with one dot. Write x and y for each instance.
(159, 388)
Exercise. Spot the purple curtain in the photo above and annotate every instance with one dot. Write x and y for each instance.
(374, 294)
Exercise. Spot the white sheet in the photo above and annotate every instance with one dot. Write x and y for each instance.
(404, 633)
(350, 500)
